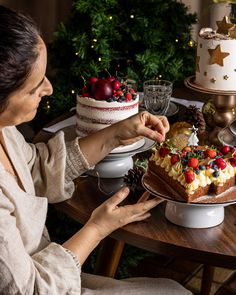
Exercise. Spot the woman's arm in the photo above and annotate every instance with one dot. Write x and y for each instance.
(107, 218)
(96, 146)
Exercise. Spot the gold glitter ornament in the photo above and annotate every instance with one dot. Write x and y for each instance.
(179, 134)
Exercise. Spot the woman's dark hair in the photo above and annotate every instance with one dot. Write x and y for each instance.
(19, 40)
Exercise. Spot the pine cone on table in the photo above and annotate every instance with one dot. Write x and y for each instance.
(133, 178)
(195, 117)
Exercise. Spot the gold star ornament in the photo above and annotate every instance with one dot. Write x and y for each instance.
(217, 56)
(224, 26)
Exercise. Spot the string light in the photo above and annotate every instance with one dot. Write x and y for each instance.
(131, 16)
(176, 40)
(77, 53)
(191, 43)
(48, 105)
(110, 17)
(95, 40)
(160, 76)
(92, 46)
(99, 59)
(72, 91)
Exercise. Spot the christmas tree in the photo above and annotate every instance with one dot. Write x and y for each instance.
(129, 38)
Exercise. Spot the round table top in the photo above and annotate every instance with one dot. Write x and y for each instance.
(214, 246)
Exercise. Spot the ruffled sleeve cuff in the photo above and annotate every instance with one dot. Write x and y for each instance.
(76, 163)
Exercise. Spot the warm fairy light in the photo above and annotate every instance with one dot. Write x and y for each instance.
(72, 91)
(131, 16)
(99, 59)
(176, 40)
(95, 40)
(191, 43)
(77, 53)
(159, 76)
(92, 46)
(110, 17)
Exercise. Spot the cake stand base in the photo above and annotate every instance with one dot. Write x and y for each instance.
(194, 215)
(112, 167)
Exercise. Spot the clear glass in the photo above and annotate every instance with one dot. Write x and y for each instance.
(157, 94)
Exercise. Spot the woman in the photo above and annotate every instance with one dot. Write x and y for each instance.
(29, 262)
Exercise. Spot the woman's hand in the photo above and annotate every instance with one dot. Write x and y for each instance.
(106, 218)
(110, 215)
(97, 145)
(141, 125)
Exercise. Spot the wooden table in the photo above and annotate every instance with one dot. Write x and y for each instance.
(213, 246)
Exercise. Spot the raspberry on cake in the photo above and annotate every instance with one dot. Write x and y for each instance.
(104, 102)
(216, 59)
(194, 171)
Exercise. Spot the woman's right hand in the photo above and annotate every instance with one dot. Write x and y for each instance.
(111, 215)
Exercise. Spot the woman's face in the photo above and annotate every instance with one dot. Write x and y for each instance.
(23, 103)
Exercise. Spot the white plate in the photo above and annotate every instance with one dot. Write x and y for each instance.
(172, 109)
(116, 165)
(128, 148)
(157, 186)
(148, 143)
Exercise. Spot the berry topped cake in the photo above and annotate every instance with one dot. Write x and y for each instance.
(216, 59)
(104, 102)
(194, 171)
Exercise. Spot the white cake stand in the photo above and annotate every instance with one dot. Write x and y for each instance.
(208, 211)
(117, 163)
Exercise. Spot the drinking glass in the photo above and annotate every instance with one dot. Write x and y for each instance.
(157, 95)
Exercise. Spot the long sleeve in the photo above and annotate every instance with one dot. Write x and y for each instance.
(52, 166)
(29, 263)
(52, 270)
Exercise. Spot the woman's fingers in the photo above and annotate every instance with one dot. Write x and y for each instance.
(164, 122)
(118, 197)
(144, 197)
(154, 127)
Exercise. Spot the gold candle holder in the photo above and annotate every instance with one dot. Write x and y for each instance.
(225, 106)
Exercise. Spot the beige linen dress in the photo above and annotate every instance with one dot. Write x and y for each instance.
(29, 262)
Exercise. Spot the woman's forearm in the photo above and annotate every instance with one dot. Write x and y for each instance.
(83, 242)
(97, 145)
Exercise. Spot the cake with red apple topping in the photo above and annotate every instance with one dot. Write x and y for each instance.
(104, 102)
(194, 171)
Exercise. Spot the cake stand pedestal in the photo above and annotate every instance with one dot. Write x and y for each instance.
(205, 212)
(194, 215)
(224, 103)
(113, 166)
(112, 169)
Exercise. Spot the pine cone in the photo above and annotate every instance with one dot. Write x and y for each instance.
(134, 177)
(195, 117)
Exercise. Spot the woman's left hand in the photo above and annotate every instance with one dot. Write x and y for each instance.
(141, 125)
